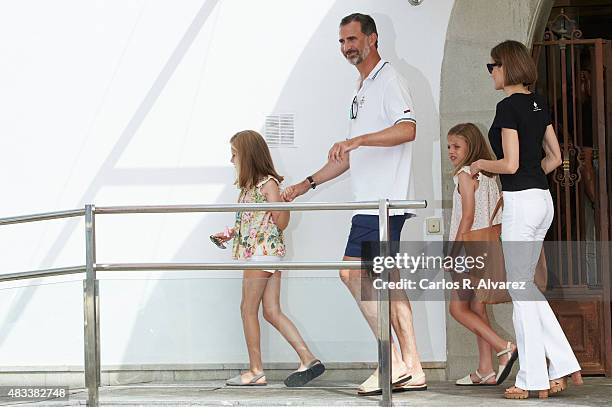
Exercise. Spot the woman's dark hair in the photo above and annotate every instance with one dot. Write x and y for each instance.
(368, 26)
(519, 67)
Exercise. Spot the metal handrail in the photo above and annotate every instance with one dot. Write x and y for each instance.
(292, 265)
(42, 216)
(60, 271)
(280, 206)
(91, 283)
(289, 265)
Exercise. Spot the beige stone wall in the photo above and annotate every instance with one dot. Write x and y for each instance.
(467, 94)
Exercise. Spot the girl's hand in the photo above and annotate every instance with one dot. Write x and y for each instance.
(226, 235)
(475, 168)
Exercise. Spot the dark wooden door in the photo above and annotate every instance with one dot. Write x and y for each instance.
(576, 76)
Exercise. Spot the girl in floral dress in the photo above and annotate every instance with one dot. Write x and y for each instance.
(258, 237)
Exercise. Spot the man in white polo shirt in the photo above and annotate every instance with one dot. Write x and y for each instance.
(379, 155)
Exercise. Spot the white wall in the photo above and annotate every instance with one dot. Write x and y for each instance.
(133, 102)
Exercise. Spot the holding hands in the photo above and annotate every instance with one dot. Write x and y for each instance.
(295, 190)
(337, 164)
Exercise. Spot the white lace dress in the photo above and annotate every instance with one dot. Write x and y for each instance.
(486, 197)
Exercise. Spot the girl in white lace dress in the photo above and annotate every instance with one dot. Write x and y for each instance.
(474, 200)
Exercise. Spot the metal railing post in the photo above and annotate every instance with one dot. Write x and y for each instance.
(91, 312)
(384, 327)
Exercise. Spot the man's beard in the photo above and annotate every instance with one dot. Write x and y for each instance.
(359, 58)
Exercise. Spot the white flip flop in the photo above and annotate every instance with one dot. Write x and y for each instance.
(467, 380)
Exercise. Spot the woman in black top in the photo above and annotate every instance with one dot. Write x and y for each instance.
(521, 132)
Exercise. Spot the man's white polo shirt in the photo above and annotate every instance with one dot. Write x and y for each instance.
(381, 172)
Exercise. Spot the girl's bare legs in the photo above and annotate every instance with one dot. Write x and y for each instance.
(253, 286)
(472, 314)
(485, 361)
(274, 315)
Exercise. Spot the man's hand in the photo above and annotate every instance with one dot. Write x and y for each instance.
(340, 149)
(293, 191)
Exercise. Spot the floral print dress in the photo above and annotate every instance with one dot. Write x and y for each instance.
(255, 233)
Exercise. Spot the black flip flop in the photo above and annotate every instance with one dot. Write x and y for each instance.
(504, 374)
(300, 378)
(418, 387)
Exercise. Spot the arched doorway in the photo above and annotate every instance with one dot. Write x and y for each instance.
(467, 96)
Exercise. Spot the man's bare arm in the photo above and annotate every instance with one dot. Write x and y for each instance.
(399, 133)
(329, 171)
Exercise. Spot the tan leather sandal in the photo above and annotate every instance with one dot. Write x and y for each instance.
(516, 393)
(557, 385)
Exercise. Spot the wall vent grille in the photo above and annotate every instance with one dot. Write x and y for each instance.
(279, 130)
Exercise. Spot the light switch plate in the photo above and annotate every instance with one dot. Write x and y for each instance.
(433, 226)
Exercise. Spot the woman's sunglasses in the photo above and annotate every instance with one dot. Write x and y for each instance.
(491, 66)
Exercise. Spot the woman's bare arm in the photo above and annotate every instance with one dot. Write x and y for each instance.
(552, 159)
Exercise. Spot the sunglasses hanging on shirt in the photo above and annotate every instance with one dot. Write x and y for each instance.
(354, 108)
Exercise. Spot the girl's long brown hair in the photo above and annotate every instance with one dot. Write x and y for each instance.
(253, 159)
(477, 146)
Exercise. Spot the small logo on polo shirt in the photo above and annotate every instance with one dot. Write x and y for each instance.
(536, 108)
(407, 111)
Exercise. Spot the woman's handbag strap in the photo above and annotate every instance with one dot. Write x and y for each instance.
(498, 206)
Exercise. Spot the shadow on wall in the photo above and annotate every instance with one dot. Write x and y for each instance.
(427, 134)
(427, 124)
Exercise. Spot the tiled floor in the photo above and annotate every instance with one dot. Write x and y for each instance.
(595, 392)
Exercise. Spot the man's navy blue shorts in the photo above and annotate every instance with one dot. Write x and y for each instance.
(364, 228)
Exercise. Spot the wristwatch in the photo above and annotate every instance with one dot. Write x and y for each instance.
(313, 184)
